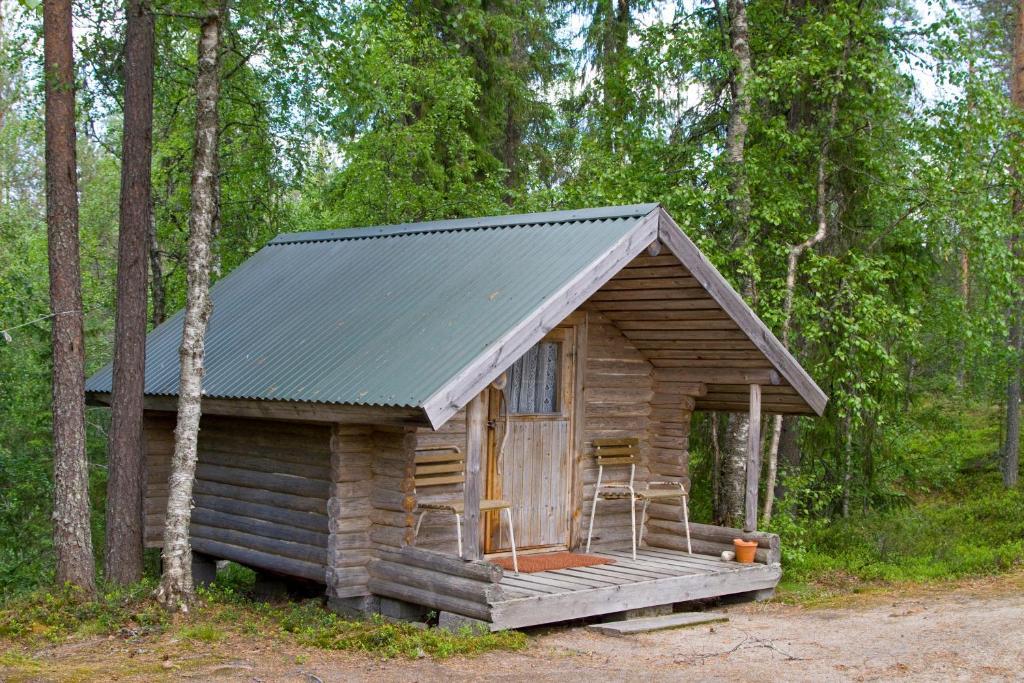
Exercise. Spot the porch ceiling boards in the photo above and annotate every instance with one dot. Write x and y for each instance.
(676, 323)
(657, 577)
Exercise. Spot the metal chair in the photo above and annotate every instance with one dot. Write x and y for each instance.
(622, 453)
(441, 465)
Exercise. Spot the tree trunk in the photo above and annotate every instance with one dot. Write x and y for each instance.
(773, 469)
(1011, 448)
(733, 463)
(739, 112)
(176, 590)
(72, 539)
(733, 479)
(126, 463)
(156, 272)
(965, 300)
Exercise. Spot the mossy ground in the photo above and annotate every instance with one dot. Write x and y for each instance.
(145, 640)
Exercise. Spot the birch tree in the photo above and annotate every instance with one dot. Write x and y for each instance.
(176, 590)
(1011, 448)
(123, 557)
(71, 531)
(732, 478)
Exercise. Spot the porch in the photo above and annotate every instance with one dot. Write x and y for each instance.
(662, 574)
(657, 577)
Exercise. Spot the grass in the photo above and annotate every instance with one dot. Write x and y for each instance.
(225, 610)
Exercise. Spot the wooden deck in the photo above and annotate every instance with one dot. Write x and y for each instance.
(657, 577)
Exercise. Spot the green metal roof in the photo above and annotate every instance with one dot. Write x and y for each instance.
(384, 315)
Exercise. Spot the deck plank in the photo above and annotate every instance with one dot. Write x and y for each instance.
(562, 583)
(513, 584)
(669, 563)
(608, 578)
(637, 573)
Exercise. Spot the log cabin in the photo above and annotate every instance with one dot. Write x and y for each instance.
(347, 370)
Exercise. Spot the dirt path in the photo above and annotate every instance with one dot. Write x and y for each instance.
(974, 633)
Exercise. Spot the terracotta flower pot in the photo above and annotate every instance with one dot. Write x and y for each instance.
(744, 550)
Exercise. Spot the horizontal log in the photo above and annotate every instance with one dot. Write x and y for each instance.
(347, 577)
(283, 500)
(719, 534)
(443, 563)
(663, 282)
(699, 545)
(436, 582)
(663, 305)
(295, 551)
(605, 295)
(281, 483)
(426, 598)
(258, 527)
(260, 560)
(698, 316)
(267, 464)
(395, 501)
(391, 536)
(639, 271)
(618, 395)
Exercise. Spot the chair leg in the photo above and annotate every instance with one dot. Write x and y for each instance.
(590, 530)
(632, 521)
(419, 521)
(458, 531)
(643, 521)
(686, 523)
(512, 539)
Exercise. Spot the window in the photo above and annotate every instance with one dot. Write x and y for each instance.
(533, 381)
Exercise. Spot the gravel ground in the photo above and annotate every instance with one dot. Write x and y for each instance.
(971, 631)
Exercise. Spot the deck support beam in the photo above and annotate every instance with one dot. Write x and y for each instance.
(753, 459)
(475, 419)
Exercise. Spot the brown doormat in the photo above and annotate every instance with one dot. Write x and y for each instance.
(547, 562)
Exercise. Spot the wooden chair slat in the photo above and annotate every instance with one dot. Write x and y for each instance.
(438, 457)
(443, 468)
(616, 460)
(631, 441)
(439, 480)
(616, 451)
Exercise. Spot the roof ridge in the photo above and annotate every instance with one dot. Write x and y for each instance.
(464, 224)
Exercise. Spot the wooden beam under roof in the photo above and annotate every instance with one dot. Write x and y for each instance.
(294, 411)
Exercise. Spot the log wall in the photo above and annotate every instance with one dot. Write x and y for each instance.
(617, 391)
(260, 495)
(371, 501)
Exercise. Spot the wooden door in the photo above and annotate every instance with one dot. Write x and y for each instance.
(531, 466)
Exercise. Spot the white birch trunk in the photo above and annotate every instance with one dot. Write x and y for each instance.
(176, 589)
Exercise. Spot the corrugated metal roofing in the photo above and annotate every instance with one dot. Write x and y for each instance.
(383, 315)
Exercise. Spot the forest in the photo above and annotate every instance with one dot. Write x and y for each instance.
(851, 166)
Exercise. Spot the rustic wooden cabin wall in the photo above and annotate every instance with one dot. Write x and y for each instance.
(371, 503)
(617, 393)
(260, 492)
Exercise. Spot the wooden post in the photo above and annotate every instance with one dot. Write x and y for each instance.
(475, 417)
(753, 458)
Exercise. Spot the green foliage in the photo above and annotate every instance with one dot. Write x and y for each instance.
(58, 615)
(946, 514)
